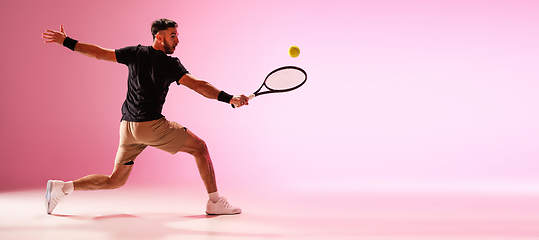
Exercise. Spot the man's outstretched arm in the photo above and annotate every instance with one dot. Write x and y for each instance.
(207, 90)
(87, 49)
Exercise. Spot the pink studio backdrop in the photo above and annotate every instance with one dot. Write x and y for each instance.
(402, 95)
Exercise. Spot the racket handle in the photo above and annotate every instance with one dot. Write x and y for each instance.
(250, 97)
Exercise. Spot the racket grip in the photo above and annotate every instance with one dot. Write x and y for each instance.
(250, 97)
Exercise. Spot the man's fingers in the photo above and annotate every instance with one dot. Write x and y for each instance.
(244, 100)
(45, 34)
(50, 34)
(48, 39)
(51, 31)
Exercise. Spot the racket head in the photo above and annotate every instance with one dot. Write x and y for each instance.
(283, 79)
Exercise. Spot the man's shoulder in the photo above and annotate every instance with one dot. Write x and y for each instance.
(130, 53)
(129, 50)
(130, 47)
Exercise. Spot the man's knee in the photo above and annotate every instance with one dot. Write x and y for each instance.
(120, 175)
(117, 182)
(200, 147)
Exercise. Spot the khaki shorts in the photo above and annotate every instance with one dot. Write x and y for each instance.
(161, 133)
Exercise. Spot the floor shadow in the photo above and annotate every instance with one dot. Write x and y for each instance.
(151, 225)
(104, 217)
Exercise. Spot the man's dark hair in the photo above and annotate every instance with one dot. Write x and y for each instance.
(162, 24)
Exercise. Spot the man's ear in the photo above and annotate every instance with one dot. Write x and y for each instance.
(159, 38)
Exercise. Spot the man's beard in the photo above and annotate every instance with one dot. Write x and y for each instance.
(168, 48)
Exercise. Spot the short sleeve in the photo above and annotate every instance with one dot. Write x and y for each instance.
(177, 70)
(126, 55)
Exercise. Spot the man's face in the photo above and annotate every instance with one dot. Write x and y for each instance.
(170, 39)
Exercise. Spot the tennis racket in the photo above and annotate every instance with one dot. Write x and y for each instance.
(283, 79)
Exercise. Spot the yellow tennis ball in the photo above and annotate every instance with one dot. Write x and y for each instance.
(293, 51)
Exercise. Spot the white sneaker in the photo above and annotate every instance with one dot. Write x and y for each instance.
(54, 195)
(221, 207)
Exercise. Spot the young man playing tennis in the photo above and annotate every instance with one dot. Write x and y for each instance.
(151, 71)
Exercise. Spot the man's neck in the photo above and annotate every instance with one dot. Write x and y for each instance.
(158, 46)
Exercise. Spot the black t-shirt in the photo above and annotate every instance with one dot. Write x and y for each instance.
(151, 72)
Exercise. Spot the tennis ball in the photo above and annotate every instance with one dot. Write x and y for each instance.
(293, 51)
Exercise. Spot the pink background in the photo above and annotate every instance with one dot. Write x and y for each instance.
(401, 95)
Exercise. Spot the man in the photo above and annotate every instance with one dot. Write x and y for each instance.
(151, 71)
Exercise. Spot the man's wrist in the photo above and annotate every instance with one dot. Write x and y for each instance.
(224, 97)
(70, 43)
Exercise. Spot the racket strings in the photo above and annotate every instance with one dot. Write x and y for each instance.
(285, 79)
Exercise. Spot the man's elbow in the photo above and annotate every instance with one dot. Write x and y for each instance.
(198, 87)
(97, 56)
(105, 55)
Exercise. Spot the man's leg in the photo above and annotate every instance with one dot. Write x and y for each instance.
(128, 150)
(217, 205)
(198, 149)
(117, 179)
(56, 189)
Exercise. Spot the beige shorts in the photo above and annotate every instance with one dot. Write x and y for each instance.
(161, 133)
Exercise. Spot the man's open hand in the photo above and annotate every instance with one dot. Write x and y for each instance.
(52, 36)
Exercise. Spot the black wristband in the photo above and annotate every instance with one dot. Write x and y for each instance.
(224, 97)
(70, 43)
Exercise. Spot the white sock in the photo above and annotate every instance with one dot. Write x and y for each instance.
(68, 187)
(214, 196)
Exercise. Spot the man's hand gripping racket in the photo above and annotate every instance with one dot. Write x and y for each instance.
(283, 79)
